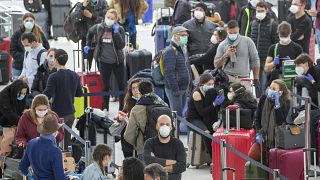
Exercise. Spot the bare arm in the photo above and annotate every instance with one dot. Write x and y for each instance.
(269, 64)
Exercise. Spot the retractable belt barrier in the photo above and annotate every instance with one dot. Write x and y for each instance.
(105, 93)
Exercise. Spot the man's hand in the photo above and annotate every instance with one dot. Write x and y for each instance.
(87, 13)
(301, 37)
(230, 52)
(22, 145)
(276, 60)
(152, 154)
(312, 12)
(170, 162)
(169, 168)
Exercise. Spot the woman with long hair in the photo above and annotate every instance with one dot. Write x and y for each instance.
(130, 11)
(17, 49)
(27, 126)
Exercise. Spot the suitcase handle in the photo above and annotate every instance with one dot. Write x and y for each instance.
(230, 169)
(232, 107)
(247, 79)
(305, 159)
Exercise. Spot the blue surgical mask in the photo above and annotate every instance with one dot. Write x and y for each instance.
(183, 40)
(206, 88)
(233, 37)
(20, 97)
(270, 93)
(94, 1)
(28, 25)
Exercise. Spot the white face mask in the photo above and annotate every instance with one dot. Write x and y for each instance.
(50, 60)
(199, 15)
(254, 3)
(294, 9)
(41, 114)
(109, 22)
(284, 40)
(27, 48)
(213, 39)
(299, 70)
(164, 131)
(230, 95)
(261, 16)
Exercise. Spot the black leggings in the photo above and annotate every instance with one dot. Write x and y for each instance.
(88, 56)
(118, 70)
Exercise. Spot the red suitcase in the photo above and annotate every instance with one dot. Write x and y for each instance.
(289, 162)
(93, 81)
(5, 46)
(240, 139)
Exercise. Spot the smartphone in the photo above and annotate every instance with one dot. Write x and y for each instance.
(221, 92)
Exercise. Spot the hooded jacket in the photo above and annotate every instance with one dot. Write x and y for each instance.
(10, 108)
(138, 118)
(41, 78)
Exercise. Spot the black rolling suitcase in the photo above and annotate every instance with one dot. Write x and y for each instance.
(283, 9)
(59, 11)
(4, 67)
(138, 60)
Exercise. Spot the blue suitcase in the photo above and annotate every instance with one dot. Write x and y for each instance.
(161, 37)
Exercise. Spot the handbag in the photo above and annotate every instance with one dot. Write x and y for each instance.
(116, 128)
(289, 136)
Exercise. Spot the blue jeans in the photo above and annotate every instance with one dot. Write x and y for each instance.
(263, 81)
(177, 103)
(16, 73)
(318, 37)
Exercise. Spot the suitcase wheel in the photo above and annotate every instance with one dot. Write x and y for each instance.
(188, 165)
(114, 175)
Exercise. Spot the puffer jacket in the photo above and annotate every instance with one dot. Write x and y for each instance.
(118, 40)
(199, 36)
(41, 78)
(177, 72)
(264, 36)
(115, 4)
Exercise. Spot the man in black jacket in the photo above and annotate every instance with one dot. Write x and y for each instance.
(263, 32)
(166, 150)
(301, 24)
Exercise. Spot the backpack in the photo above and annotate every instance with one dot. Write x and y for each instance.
(38, 55)
(33, 6)
(181, 13)
(153, 113)
(73, 25)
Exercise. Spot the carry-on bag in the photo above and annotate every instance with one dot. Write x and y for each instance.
(5, 46)
(246, 116)
(289, 162)
(33, 5)
(240, 139)
(254, 172)
(81, 103)
(137, 60)
(59, 10)
(289, 136)
(4, 67)
(197, 151)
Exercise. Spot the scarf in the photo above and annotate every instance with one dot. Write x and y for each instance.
(151, 99)
(268, 123)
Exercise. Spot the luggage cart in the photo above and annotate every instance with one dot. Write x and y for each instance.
(6, 29)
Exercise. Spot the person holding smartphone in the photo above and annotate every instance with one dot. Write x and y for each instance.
(200, 113)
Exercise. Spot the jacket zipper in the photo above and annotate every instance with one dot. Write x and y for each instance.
(186, 61)
(258, 39)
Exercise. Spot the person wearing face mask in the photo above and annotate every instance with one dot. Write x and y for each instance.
(40, 79)
(43, 154)
(90, 12)
(17, 48)
(279, 52)
(273, 109)
(34, 57)
(238, 55)
(200, 113)
(301, 24)
(102, 157)
(109, 53)
(166, 150)
(27, 126)
(200, 31)
(308, 76)
(132, 96)
(12, 104)
(263, 32)
(138, 116)
(240, 96)
(206, 60)
(177, 71)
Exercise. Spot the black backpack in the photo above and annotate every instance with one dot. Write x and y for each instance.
(33, 5)
(74, 26)
(153, 113)
(181, 13)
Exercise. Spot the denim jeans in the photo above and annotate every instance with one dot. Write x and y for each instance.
(16, 73)
(263, 81)
(177, 103)
(318, 37)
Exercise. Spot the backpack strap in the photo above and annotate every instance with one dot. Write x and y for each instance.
(275, 50)
(248, 22)
(39, 55)
(270, 28)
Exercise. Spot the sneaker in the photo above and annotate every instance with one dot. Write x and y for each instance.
(106, 113)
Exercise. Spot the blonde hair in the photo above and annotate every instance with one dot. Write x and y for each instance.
(38, 100)
(113, 11)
